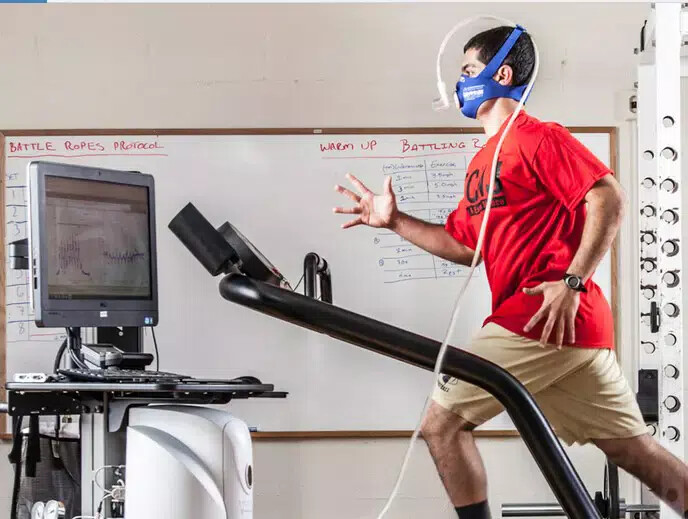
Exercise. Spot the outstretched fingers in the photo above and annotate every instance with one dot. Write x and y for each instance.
(388, 185)
(352, 223)
(561, 327)
(347, 192)
(347, 210)
(358, 184)
(536, 318)
(571, 326)
(547, 330)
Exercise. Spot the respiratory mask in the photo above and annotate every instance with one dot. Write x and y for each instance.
(472, 92)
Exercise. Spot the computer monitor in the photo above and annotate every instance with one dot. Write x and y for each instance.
(92, 246)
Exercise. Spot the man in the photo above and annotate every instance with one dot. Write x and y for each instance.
(555, 213)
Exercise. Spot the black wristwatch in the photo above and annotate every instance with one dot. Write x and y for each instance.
(574, 282)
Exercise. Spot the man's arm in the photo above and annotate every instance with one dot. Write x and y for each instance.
(432, 238)
(605, 211)
(381, 211)
(606, 202)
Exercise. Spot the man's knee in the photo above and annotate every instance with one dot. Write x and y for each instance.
(628, 452)
(441, 425)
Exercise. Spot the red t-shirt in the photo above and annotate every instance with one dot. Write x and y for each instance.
(535, 225)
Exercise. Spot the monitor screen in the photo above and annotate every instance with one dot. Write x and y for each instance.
(98, 239)
(92, 246)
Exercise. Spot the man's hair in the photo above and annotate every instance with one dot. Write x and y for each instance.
(521, 57)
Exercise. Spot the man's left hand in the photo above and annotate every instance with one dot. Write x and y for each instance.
(559, 307)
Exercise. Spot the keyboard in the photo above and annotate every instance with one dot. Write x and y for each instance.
(126, 376)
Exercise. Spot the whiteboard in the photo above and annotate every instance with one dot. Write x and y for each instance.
(278, 189)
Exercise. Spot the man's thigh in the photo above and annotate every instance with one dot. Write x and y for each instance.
(593, 403)
(534, 366)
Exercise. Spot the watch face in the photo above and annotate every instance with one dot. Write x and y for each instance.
(573, 281)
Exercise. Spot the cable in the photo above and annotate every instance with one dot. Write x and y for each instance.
(98, 471)
(75, 340)
(99, 514)
(58, 357)
(298, 284)
(102, 502)
(474, 262)
(157, 353)
(76, 360)
(107, 493)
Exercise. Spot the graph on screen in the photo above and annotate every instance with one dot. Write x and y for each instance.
(97, 248)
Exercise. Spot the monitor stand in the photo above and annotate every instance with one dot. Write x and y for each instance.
(73, 345)
(126, 338)
(132, 358)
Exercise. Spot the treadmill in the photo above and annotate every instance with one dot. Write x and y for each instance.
(252, 281)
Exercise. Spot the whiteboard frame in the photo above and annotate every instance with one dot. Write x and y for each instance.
(282, 435)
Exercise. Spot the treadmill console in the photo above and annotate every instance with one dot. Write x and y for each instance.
(223, 250)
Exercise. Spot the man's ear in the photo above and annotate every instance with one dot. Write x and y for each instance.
(504, 75)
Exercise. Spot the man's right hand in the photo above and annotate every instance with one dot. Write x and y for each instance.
(371, 209)
(381, 211)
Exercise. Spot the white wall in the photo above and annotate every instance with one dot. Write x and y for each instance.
(148, 66)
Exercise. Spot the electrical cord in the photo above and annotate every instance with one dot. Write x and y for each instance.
(99, 514)
(107, 494)
(98, 471)
(76, 360)
(58, 356)
(298, 284)
(474, 263)
(102, 502)
(75, 339)
(157, 353)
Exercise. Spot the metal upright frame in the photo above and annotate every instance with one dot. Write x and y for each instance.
(661, 218)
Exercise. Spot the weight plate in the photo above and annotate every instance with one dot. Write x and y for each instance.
(611, 491)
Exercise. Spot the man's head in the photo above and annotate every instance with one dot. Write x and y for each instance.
(486, 84)
(517, 67)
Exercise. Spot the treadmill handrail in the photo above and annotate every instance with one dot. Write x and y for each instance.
(422, 352)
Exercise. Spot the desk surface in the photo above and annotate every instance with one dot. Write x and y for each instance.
(87, 387)
(50, 398)
(138, 387)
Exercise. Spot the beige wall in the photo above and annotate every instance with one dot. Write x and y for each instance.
(148, 66)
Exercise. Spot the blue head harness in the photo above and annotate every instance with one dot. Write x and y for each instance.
(471, 92)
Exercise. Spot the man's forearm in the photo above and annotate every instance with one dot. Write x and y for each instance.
(601, 225)
(432, 238)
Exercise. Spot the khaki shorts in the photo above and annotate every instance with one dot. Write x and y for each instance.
(582, 392)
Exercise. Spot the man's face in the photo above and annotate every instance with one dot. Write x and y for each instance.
(471, 66)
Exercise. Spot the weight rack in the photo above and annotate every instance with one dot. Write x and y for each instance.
(660, 328)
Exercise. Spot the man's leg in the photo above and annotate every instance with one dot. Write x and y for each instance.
(458, 461)
(458, 407)
(597, 402)
(653, 465)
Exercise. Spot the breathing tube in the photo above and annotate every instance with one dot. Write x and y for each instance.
(469, 94)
